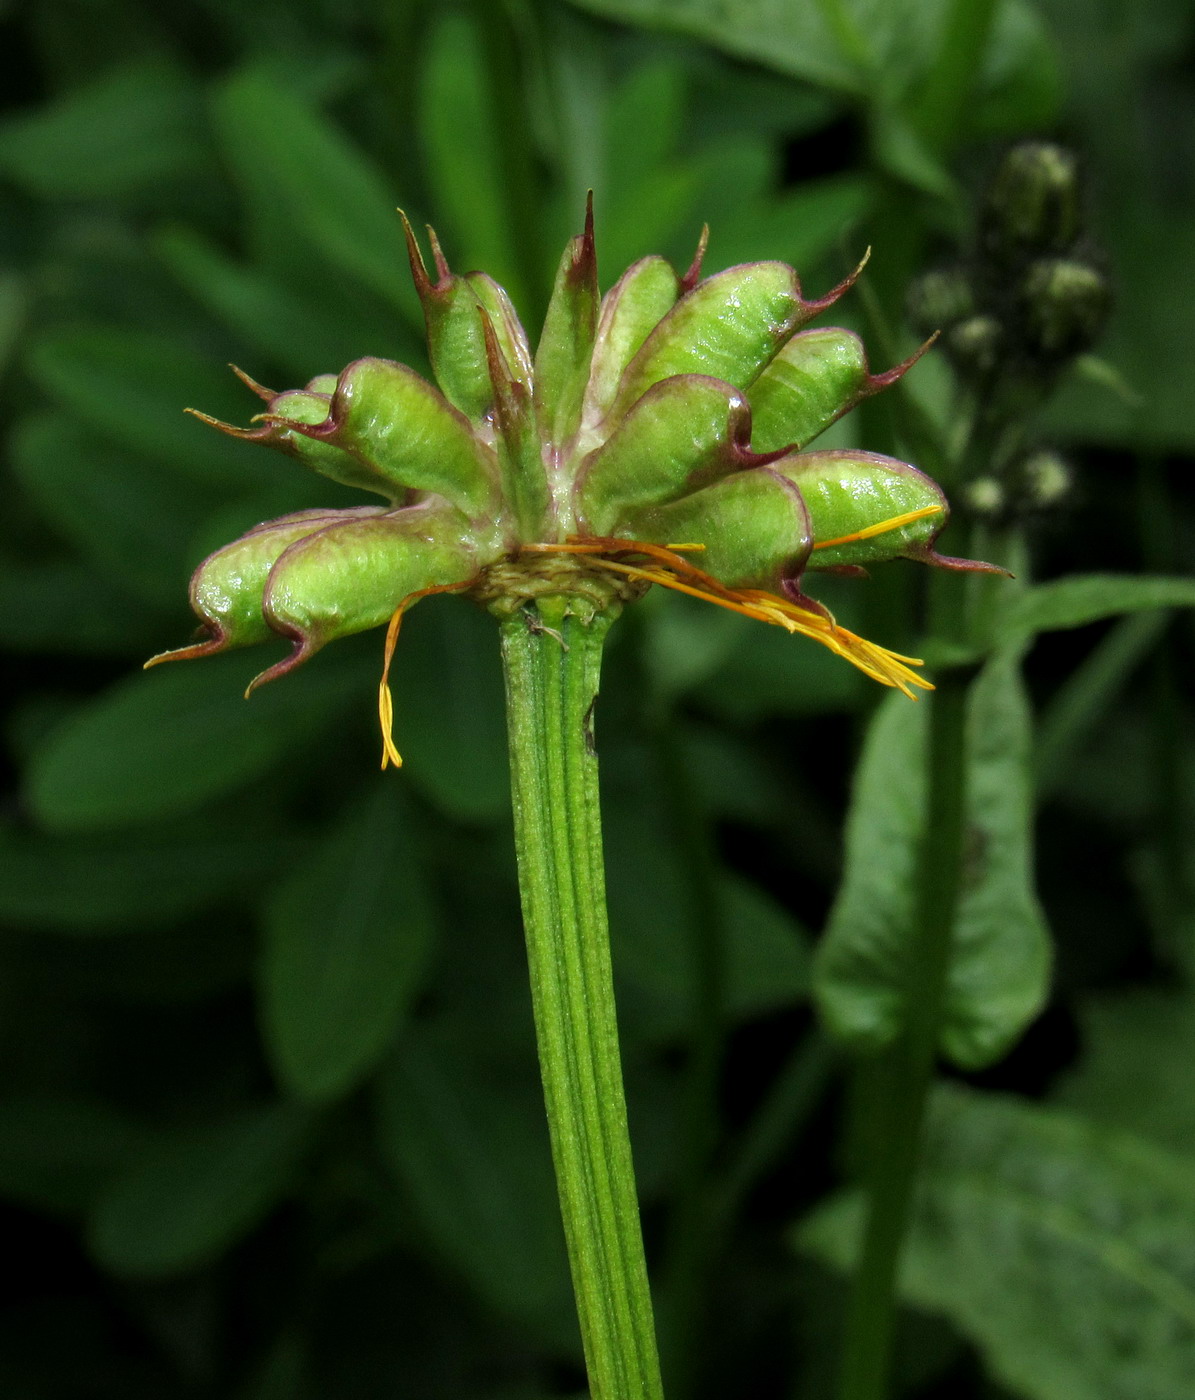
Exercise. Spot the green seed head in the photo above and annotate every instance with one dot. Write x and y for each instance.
(656, 434)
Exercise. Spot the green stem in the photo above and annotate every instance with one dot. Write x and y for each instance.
(907, 1069)
(552, 661)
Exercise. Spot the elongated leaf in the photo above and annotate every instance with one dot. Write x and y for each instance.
(97, 885)
(1084, 598)
(864, 47)
(162, 743)
(291, 157)
(296, 333)
(118, 135)
(347, 943)
(56, 1154)
(1135, 1073)
(470, 1148)
(132, 388)
(64, 607)
(197, 1192)
(464, 167)
(1000, 956)
(119, 510)
(1064, 1251)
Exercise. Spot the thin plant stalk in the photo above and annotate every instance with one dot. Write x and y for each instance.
(908, 1067)
(552, 662)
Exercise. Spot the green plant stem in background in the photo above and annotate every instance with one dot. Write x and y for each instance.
(907, 1068)
(552, 662)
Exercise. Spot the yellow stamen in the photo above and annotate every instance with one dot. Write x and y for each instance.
(390, 754)
(672, 571)
(882, 528)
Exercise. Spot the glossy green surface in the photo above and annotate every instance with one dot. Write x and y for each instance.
(729, 326)
(353, 576)
(753, 525)
(682, 434)
(816, 378)
(227, 588)
(391, 418)
(566, 344)
(630, 311)
(851, 491)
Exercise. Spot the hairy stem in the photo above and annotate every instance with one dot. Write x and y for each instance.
(552, 662)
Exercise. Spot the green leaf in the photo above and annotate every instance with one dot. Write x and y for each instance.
(463, 164)
(120, 511)
(97, 885)
(132, 388)
(1085, 598)
(770, 673)
(347, 944)
(469, 1145)
(290, 157)
(1064, 1252)
(793, 38)
(56, 1153)
(298, 334)
(196, 1192)
(1135, 1073)
(63, 607)
(749, 221)
(999, 967)
(14, 306)
(867, 49)
(121, 134)
(161, 744)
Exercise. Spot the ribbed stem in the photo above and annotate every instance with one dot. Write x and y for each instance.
(552, 662)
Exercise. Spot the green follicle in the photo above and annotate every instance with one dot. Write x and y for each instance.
(525, 484)
(452, 311)
(226, 589)
(754, 528)
(730, 326)
(684, 433)
(848, 493)
(631, 310)
(565, 351)
(386, 415)
(815, 379)
(352, 576)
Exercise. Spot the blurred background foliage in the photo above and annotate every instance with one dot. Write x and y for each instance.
(269, 1116)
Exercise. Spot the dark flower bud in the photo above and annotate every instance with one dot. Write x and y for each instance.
(1033, 203)
(940, 298)
(1065, 304)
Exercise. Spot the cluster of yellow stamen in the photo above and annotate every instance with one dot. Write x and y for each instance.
(667, 566)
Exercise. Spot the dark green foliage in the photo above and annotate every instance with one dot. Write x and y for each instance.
(269, 1122)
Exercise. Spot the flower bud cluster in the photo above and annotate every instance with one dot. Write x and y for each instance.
(1033, 294)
